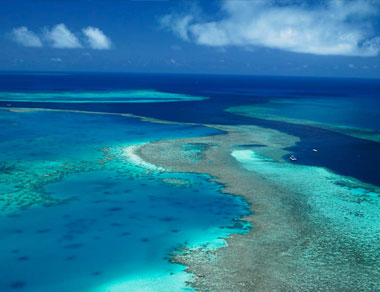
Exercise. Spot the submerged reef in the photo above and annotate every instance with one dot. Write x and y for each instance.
(72, 186)
(35, 153)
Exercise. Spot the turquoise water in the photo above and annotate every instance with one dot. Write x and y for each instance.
(78, 216)
(130, 96)
(37, 148)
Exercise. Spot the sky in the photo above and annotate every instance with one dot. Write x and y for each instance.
(291, 38)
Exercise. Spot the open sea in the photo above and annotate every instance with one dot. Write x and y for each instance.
(76, 215)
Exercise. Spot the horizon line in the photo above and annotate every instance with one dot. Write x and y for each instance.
(54, 72)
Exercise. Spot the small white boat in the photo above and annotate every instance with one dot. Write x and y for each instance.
(315, 150)
(292, 158)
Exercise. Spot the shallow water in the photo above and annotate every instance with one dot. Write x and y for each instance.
(78, 216)
(113, 229)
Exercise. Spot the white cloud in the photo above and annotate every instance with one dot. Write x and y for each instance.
(25, 37)
(328, 28)
(181, 24)
(60, 37)
(96, 38)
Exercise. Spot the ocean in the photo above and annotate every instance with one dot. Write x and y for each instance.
(77, 215)
(356, 102)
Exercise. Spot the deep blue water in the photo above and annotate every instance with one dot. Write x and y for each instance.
(342, 154)
(349, 111)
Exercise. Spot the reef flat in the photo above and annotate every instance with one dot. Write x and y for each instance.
(130, 96)
(312, 230)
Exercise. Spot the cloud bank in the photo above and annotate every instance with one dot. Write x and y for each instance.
(60, 37)
(323, 28)
(96, 38)
(26, 37)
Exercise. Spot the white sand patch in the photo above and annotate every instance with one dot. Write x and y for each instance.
(130, 153)
(155, 283)
(243, 155)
